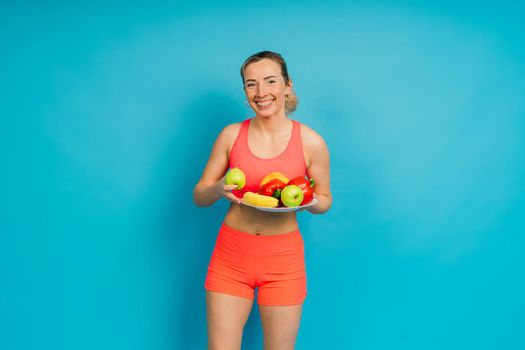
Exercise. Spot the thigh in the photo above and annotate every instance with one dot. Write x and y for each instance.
(231, 268)
(280, 326)
(281, 278)
(226, 316)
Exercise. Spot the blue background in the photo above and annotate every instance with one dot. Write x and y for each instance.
(109, 111)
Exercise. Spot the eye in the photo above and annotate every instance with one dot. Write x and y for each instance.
(249, 85)
(272, 81)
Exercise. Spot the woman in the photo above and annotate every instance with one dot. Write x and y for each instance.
(256, 248)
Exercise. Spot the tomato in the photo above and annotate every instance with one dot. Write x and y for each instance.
(272, 188)
(306, 185)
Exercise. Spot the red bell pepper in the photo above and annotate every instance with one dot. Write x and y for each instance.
(272, 188)
(306, 185)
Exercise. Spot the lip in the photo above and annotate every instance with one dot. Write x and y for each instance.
(266, 103)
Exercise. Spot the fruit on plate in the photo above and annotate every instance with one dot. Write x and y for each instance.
(235, 176)
(272, 188)
(260, 200)
(274, 175)
(306, 185)
(292, 196)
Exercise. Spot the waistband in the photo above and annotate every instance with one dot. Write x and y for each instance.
(253, 243)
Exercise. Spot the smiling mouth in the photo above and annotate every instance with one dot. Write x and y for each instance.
(264, 104)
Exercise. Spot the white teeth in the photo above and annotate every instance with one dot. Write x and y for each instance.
(264, 104)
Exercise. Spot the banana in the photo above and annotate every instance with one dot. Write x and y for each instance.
(274, 175)
(260, 200)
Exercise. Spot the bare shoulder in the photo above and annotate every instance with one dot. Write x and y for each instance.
(228, 135)
(311, 138)
(231, 129)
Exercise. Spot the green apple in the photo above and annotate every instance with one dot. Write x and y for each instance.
(235, 176)
(292, 196)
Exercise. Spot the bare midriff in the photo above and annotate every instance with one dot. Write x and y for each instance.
(257, 222)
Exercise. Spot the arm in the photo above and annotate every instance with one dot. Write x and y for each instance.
(211, 187)
(319, 170)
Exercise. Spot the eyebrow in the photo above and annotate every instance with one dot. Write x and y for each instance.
(268, 77)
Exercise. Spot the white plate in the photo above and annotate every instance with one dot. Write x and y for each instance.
(283, 209)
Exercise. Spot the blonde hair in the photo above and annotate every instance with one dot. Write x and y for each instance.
(291, 101)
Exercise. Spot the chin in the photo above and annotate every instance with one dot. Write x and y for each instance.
(268, 113)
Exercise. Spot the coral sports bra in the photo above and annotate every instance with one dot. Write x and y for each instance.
(290, 162)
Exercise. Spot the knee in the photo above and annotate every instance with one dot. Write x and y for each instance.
(224, 339)
(279, 344)
(216, 343)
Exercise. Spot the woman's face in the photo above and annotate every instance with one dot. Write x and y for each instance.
(265, 88)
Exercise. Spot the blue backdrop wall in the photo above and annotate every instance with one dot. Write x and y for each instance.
(109, 111)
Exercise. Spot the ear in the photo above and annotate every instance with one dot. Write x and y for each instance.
(289, 87)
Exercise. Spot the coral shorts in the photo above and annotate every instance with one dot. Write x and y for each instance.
(275, 265)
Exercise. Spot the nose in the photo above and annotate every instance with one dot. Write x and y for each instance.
(261, 91)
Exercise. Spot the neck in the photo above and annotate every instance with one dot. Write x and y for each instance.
(271, 125)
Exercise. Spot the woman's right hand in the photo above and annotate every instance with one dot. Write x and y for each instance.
(225, 191)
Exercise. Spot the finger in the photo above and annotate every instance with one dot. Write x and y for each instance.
(233, 198)
(229, 187)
